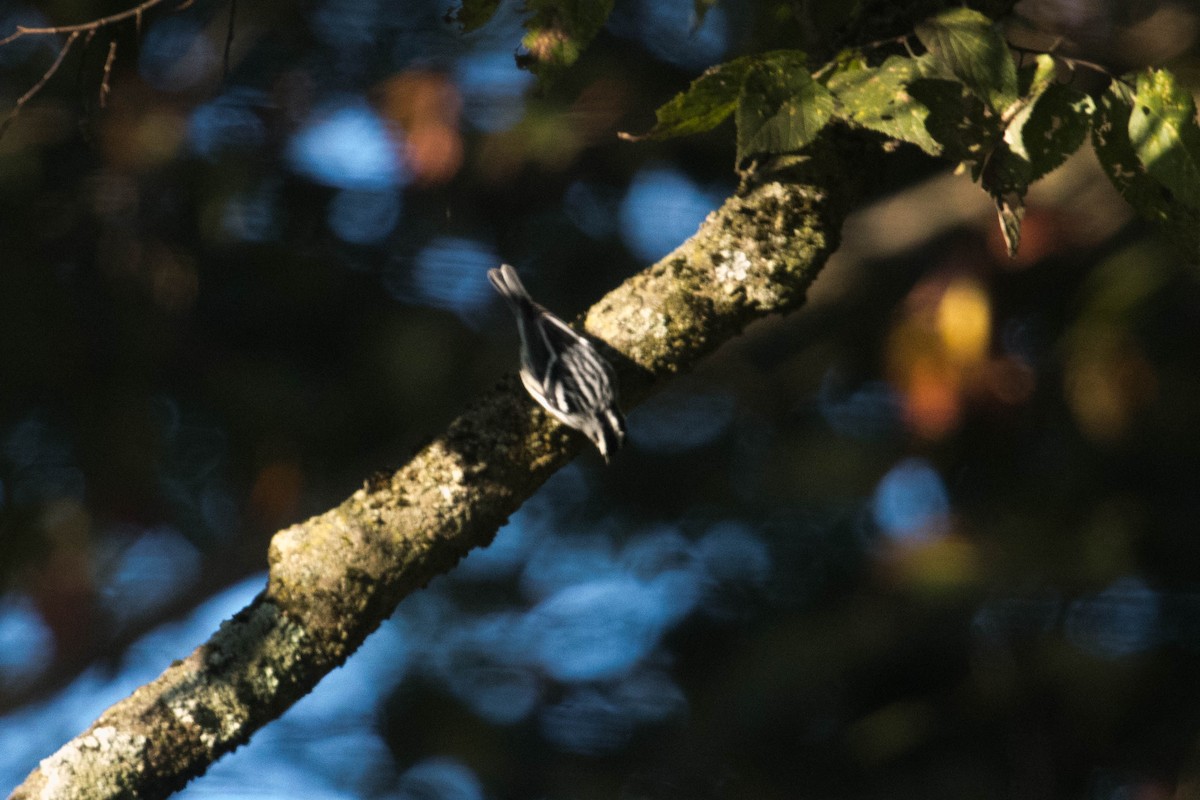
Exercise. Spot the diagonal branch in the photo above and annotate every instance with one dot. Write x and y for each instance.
(37, 87)
(336, 577)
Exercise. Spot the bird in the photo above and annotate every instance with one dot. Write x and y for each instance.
(562, 370)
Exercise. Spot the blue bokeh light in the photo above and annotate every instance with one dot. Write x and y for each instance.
(668, 29)
(156, 567)
(661, 209)
(596, 630)
(484, 663)
(677, 420)
(449, 273)
(26, 642)
(1119, 621)
(1001, 621)
(492, 88)
(231, 122)
(504, 557)
(911, 502)
(867, 412)
(439, 779)
(592, 208)
(347, 25)
(732, 552)
(587, 722)
(41, 464)
(176, 54)
(252, 216)
(363, 217)
(649, 695)
(348, 146)
(562, 562)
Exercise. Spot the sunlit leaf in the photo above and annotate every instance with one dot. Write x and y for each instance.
(557, 31)
(1149, 198)
(1164, 134)
(1110, 137)
(705, 104)
(1036, 76)
(877, 98)
(473, 14)
(1050, 128)
(781, 108)
(966, 45)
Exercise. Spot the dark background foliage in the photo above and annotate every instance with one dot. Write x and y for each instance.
(932, 536)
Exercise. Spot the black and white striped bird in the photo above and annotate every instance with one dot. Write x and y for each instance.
(562, 370)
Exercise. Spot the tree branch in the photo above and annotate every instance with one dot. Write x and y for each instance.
(336, 577)
(73, 32)
(93, 25)
(37, 87)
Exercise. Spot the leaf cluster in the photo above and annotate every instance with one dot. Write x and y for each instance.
(963, 98)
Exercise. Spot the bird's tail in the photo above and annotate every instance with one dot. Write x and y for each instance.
(510, 287)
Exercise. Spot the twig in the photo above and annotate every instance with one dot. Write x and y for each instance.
(37, 87)
(82, 27)
(1069, 61)
(106, 75)
(72, 32)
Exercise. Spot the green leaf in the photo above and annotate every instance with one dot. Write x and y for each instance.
(878, 99)
(707, 102)
(557, 31)
(1164, 134)
(1050, 128)
(1149, 198)
(966, 45)
(473, 14)
(958, 120)
(781, 108)
(1110, 137)
(1036, 76)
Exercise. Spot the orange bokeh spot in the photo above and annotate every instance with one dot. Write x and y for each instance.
(426, 106)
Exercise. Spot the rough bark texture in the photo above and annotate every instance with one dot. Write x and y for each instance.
(336, 577)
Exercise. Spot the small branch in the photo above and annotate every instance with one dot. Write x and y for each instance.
(1071, 62)
(83, 27)
(72, 33)
(37, 87)
(106, 75)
